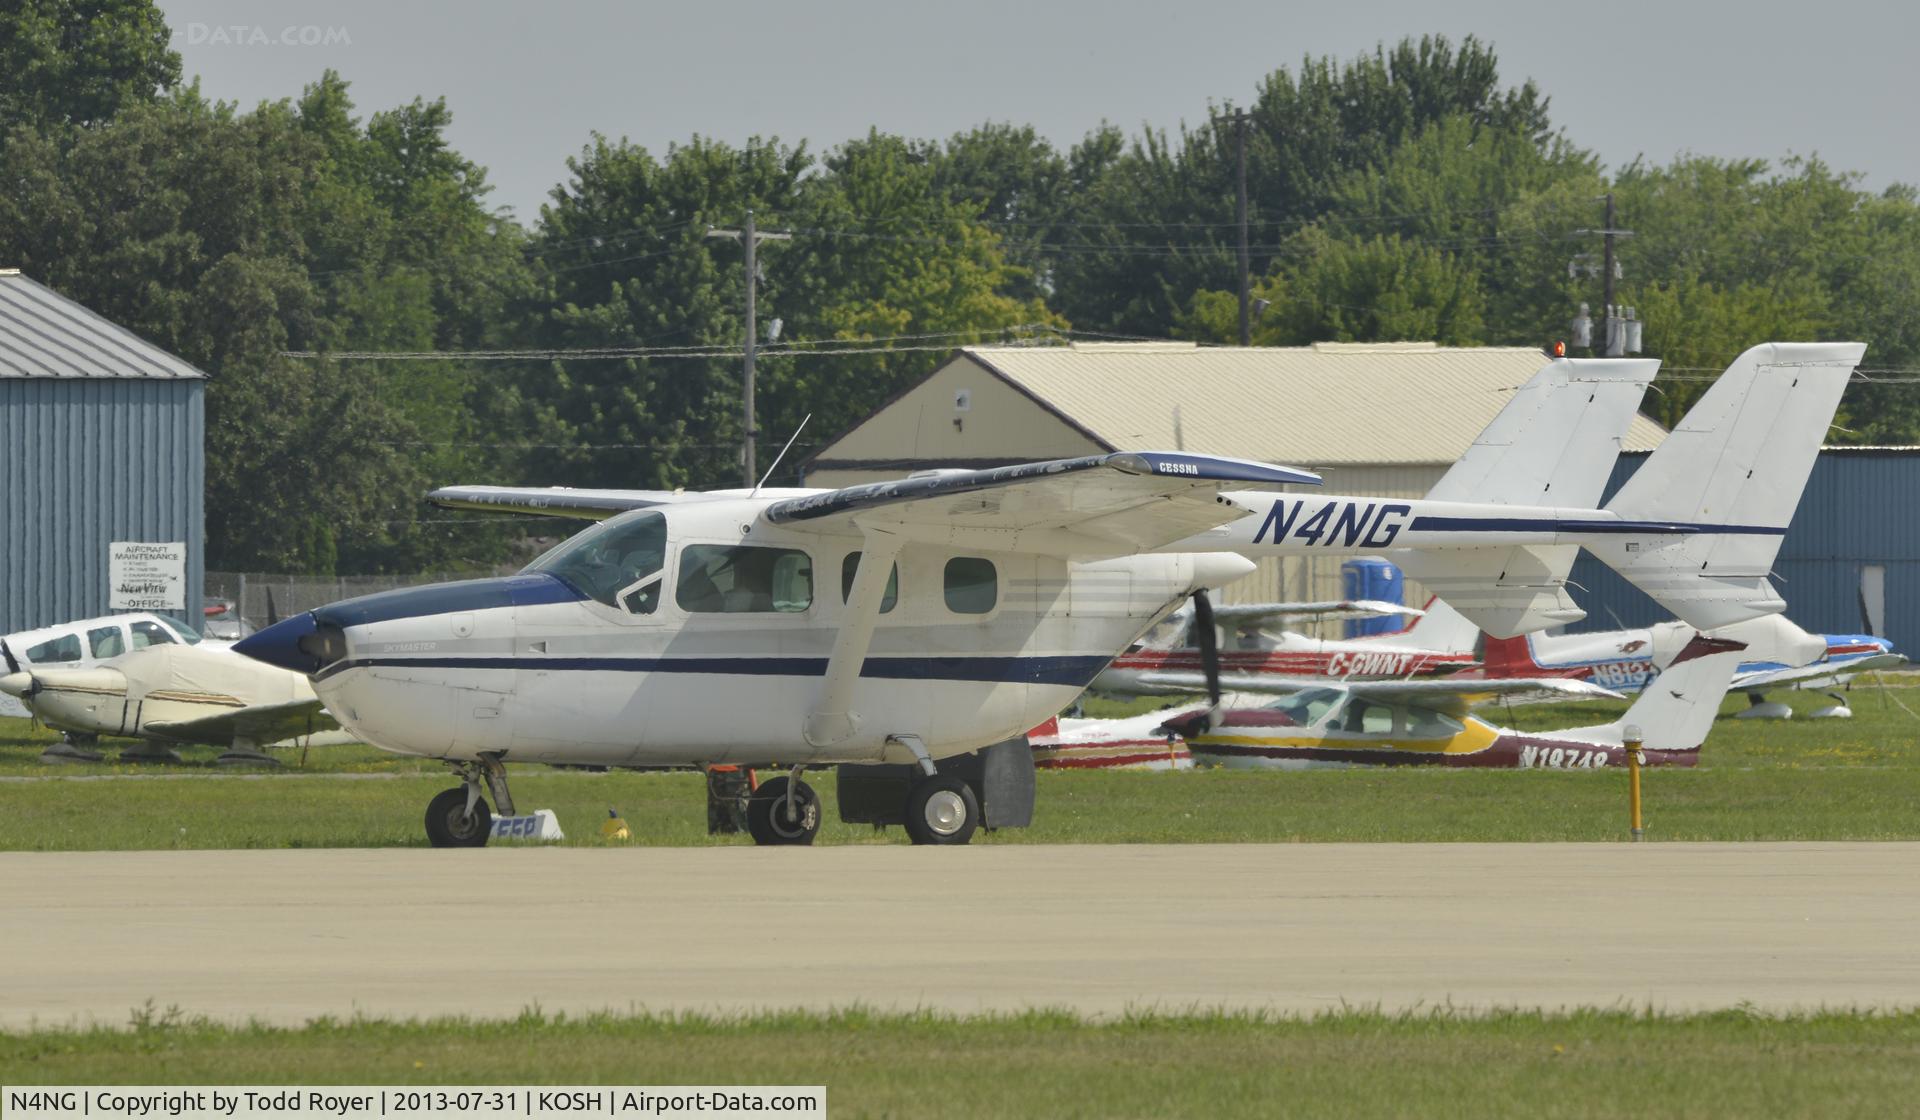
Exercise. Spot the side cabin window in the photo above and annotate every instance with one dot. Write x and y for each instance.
(106, 642)
(972, 585)
(64, 648)
(743, 579)
(851, 565)
(1367, 717)
(151, 634)
(617, 562)
(1425, 724)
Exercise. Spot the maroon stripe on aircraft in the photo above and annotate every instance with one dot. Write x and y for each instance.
(1508, 751)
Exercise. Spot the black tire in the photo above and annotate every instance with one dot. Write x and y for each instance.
(768, 821)
(449, 825)
(942, 810)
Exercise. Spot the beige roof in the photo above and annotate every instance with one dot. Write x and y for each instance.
(1314, 405)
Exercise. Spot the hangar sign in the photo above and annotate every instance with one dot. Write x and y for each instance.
(147, 576)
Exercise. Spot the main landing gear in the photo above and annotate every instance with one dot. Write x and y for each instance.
(941, 808)
(784, 810)
(459, 818)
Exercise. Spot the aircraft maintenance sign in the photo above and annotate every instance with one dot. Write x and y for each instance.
(147, 576)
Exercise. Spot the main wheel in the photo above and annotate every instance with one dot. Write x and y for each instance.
(449, 825)
(768, 819)
(942, 810)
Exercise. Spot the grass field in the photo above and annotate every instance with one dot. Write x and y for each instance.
(1793, 780)
(1591, 1064)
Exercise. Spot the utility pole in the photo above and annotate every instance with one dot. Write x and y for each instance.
(1239, 120)
(1620, 332)
(750, 238)
(1606, 271)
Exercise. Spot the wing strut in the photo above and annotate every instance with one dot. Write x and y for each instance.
(833, 719)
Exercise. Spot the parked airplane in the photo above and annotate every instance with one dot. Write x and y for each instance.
(688, 629)
(1132, 742)
(1171, 659)
(165, 693)
(86, 643)
(1779, 655)
(1427, 723)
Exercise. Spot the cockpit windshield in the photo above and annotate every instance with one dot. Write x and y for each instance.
(612, 561)
(187, 633)
(1308, 706)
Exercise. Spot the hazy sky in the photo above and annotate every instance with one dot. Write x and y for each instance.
(527, 82)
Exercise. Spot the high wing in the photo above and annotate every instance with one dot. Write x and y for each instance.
(1332, 610)
(1444, 695)
(1820, 674)
(259, 723)
(556, 501)
(1134, 500)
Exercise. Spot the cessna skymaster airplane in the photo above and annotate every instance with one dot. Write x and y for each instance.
(690, 629)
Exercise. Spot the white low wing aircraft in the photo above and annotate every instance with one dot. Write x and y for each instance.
(914, 620)
(174, 693)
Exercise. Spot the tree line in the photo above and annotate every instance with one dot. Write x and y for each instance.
(1408, 193)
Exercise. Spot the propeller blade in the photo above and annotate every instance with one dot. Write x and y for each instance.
(6, 655)
(1208, 638)
(273, 614)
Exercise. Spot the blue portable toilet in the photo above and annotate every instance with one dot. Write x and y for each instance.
(1369, 577)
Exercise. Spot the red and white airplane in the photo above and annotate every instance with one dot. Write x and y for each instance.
(1780, 655)
(1167, 662)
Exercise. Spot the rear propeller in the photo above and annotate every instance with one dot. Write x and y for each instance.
(1207, 638)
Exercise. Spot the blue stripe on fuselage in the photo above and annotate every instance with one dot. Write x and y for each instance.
(1075, 671)
(1432, 524)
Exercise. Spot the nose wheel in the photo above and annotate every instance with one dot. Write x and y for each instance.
(775, 817)
(453, 823)
(459, 818)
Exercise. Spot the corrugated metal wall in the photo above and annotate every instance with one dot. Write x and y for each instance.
(1857, 510)
(88, 461)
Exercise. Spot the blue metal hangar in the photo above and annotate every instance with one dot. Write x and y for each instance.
(102, 466)
(1850, 562)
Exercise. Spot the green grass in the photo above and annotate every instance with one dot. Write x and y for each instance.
(1351, 1063)
(1797, 780)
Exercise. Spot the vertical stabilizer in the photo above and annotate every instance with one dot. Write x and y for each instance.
(1731, 473)
(1554, 443)
(1676, 709)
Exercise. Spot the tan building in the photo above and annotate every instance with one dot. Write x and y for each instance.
(1376, 420)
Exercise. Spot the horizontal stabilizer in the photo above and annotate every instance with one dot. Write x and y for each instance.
(1504, 591)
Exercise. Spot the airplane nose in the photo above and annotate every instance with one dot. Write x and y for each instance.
(285, 645)
(19, 685)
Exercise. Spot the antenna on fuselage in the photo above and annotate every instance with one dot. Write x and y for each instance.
(775, 465)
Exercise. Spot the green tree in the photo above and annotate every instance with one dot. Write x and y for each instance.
(79, 62)
(194, 225)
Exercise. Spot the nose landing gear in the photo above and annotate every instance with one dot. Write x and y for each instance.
(784, 810)
(459, 818)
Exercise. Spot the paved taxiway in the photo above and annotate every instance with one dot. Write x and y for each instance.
(288, 935)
